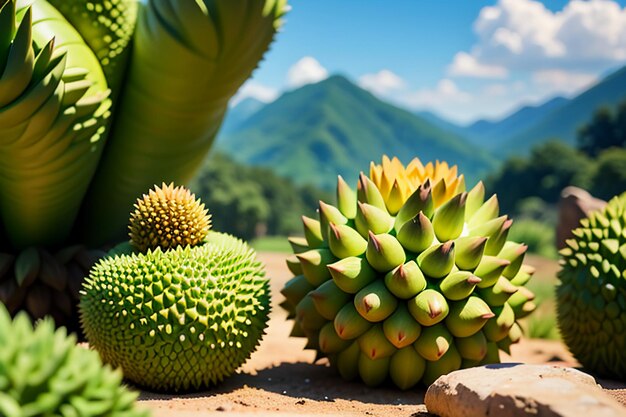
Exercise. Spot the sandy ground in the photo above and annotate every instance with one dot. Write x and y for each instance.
(281, 380)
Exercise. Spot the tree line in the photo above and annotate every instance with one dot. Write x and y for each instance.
(250, 201)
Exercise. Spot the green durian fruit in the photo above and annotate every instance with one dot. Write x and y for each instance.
(44, 373)
(408, 277)
(168, 217)
(591, 295)
(181, 319)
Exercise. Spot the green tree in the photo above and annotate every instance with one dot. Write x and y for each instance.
(609, 177)
(237, 205)
(550, 167)
(251, 201)
(607, 129)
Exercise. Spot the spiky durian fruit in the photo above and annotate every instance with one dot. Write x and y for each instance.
(44, 283)
(591, 296)
(176, 318)
(409, 277)
(44, 373)
(168, 217)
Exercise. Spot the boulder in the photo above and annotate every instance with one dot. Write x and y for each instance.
(574, 205)
(511, 389)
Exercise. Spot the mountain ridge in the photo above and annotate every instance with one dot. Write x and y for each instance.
(563, 122)
(335, 127)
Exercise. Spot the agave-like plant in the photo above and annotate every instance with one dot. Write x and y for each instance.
(99, 100)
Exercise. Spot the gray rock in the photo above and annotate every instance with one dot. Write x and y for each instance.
(574, 205)
(511, 389)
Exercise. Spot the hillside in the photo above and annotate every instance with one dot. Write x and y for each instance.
(564, 121)
(239, 113)
(442, 122)
(315, 132)
(491, 133)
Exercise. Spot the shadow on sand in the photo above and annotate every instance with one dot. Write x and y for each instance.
(306, 381)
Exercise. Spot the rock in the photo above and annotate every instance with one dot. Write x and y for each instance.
(574, 205)
(512, 389)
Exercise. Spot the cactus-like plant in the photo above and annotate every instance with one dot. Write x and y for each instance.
(44, 373)
(409, 277)
(99, 100)
(591, 296)
(182, 317)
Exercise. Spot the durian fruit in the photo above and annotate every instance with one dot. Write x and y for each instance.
(43, 283)
(407, 278)
(44, 373)
(177, 319)
(591, 295)
(168, 217)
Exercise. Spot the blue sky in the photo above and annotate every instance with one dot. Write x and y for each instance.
(462, 59)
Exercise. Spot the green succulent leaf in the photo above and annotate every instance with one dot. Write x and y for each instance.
(54, 108)
(107, 26)
(44, 373)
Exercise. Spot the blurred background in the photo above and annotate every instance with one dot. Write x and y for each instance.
(528, 96)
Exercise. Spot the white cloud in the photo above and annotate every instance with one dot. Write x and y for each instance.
(559, 81)
(585, 36)
(445, 92)
(466, 65)
(495, 90)
(306, 71)
(255, 90)
(382, 83)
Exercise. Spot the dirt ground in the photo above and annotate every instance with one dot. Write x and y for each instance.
(281, 380)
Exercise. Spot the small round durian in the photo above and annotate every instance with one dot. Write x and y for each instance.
(168, 217)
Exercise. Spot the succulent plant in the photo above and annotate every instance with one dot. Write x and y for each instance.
(591, 296)
(168, 217)
(409, 277)
(44, 373)
(99, 100)
(182, 318)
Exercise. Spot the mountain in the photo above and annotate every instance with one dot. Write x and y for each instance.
(564, 121)
(334, 127)
(490, 133)
(441, 122)
(240, 112)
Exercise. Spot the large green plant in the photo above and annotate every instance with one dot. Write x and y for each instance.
(99, 100)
